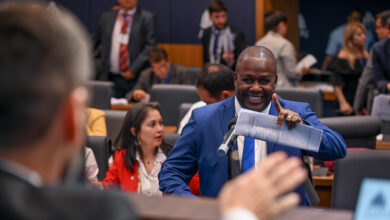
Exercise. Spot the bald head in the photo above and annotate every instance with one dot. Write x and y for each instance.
(261, 53)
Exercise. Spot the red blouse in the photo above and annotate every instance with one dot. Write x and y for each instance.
(119, 175)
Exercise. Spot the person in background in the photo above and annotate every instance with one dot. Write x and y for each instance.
(162, 71)
(283, 49)
(222, 43)
(141, 151)
(336, 40)
(122, 41)
(348, 66)
(380, 63)
(96, 122)
(365, 91)
(215, 83)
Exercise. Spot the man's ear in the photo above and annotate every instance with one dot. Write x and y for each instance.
(225, 94)
(75, 116)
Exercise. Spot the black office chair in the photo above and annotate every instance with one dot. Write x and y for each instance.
(351, 170)
(171, 138)
(101, 92)
(312, 96)
(114, 120)
(100, 146)
(357, 131)
(170, 97)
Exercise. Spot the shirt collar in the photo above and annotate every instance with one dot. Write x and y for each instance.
(21, 171)
(160, 156)
(237, 107)
(130, 12)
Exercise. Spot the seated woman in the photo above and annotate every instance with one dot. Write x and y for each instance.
(141, 151)
(348, 66)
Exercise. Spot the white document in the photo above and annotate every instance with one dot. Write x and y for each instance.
(121, 101)
(381, 107)
(308, 61)
(263, 127)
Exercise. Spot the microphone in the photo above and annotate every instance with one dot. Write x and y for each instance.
(228, 139)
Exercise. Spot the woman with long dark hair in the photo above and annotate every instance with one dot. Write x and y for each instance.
(141, 151)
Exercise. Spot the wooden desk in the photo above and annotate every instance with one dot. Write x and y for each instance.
(170, 129)
(380, 145)
(323, 186)
(121, 107)
(206, 208)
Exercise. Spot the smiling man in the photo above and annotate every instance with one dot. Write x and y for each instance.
(255, 80)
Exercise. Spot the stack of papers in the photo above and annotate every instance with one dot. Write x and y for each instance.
(263, 127)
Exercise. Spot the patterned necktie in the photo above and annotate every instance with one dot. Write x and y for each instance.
(248, 154)
(216, 38)
(123, 49)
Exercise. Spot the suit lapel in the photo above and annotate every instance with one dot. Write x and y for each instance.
(135, 27)
(227, 113)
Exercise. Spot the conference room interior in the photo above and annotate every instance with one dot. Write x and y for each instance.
(334, 185)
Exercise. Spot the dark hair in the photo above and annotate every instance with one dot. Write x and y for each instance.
(134, 119)
(384, 16)
(358, 10)
(217, 6)
(215, 78)
(41, 62)
(157, 54)
(272, 19)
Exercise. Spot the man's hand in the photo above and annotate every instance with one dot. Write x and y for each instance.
(292, 118)
(128, 75)
(388, 87)
(346, 108)
(228, 57)
(138, 94)
(262, 191)
(305, 70)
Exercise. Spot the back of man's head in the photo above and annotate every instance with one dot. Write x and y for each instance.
(44, 57)
(157, 54)
(355, 15)
(217, 6)
(272, 19)
(216, 78)
(383, 16)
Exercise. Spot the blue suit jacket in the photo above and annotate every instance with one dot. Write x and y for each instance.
(197, 147)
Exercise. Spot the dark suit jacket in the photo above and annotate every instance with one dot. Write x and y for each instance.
(21, 200)
(381, 64)
(179, 75)
(239, 44)
(142, 38)
(197, 147)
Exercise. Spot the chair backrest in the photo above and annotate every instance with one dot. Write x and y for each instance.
(170, 97)
(100, 146)
(101, 94)
(312, 96)
(183, 109)
(357, 131)
(194, 71)
(171, 138)
(351, 170)
(114, 120)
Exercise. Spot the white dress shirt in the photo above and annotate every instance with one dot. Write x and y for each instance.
(117, 39)
(149, 182)
(260, 146)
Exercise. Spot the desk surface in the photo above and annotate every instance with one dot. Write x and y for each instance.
(206, 208)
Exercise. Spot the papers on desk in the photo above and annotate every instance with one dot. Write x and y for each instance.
(263, 127)
(121, 101)
(381, 107)
(307, 61)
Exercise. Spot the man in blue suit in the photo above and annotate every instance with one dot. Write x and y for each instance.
(196, 150)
